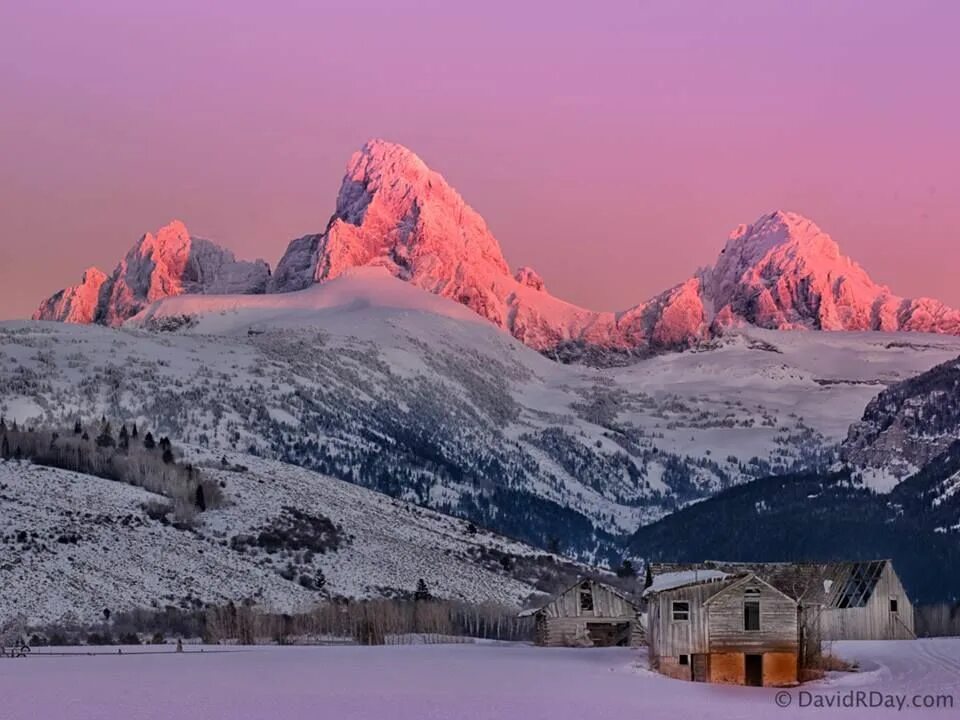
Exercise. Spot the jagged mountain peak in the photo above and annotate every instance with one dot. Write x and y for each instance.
(77, 303)
(393, 211)
(776, 230)
(381, 166)
(159, 265)
(784, 272)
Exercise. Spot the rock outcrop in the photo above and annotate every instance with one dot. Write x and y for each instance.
(171, 262)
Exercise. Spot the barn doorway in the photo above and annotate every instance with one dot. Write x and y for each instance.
(609, 634)
(701, 667)
(753, 670)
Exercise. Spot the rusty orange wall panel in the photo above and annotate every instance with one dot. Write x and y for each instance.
(671, 667)
(779, 669)
(727, 668)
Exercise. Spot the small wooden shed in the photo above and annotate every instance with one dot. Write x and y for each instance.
(734, 629)
(588, 614)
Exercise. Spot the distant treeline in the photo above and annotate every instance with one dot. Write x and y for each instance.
(125, 455)
(941, 620)
(366, 622)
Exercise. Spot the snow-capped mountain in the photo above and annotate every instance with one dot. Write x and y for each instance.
(370, 379)
(76, 304)
(170, 263)
(783, 272)
(394, 212)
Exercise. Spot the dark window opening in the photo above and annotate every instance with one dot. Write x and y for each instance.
(680, 611)
(586, 598)
(893, 605)
(751, 615)
(684, 659)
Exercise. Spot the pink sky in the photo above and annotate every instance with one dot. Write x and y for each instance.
(612, 146)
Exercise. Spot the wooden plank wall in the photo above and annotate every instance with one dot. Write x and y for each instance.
(778, 621)
(606, 604)
(874, 621)
(668, 638)
(563, 623)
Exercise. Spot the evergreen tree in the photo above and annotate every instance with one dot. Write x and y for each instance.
(105, 438)
(148, 441)
(5, 448)
(134, 434)
(3, 425)
(626, 569)
(423, 592)
(77, 427)
(85, 436)
(200, 500)
(321, 580)
(168, 456)
(124, 438)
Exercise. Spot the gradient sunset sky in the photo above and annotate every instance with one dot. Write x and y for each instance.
(610, 145)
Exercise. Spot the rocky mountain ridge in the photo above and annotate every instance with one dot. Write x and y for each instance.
(169, 263)
(781, 272)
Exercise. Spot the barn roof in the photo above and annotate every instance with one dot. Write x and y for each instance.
(833, 584)
(619, 593)
(748, 579)
(681, 578)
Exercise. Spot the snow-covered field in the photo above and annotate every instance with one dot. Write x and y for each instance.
(457, 682)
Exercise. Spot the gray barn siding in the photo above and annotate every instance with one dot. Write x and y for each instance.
(670, 639)
(805, 582)
(563, 620)
(778, 621)
(874, 621)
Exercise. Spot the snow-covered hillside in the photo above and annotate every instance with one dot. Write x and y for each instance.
(370, 379)
(75, 544)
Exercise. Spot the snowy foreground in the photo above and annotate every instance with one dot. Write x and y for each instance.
(455, 682)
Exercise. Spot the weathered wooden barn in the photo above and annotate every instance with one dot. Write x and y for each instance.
(838, 600)
(866, 601)
(588, 614)
(722, 628)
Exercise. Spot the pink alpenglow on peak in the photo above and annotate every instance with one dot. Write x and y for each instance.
(75, 304)
(170, 263)
(393, 212)
(783, 272)
(530, 278)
